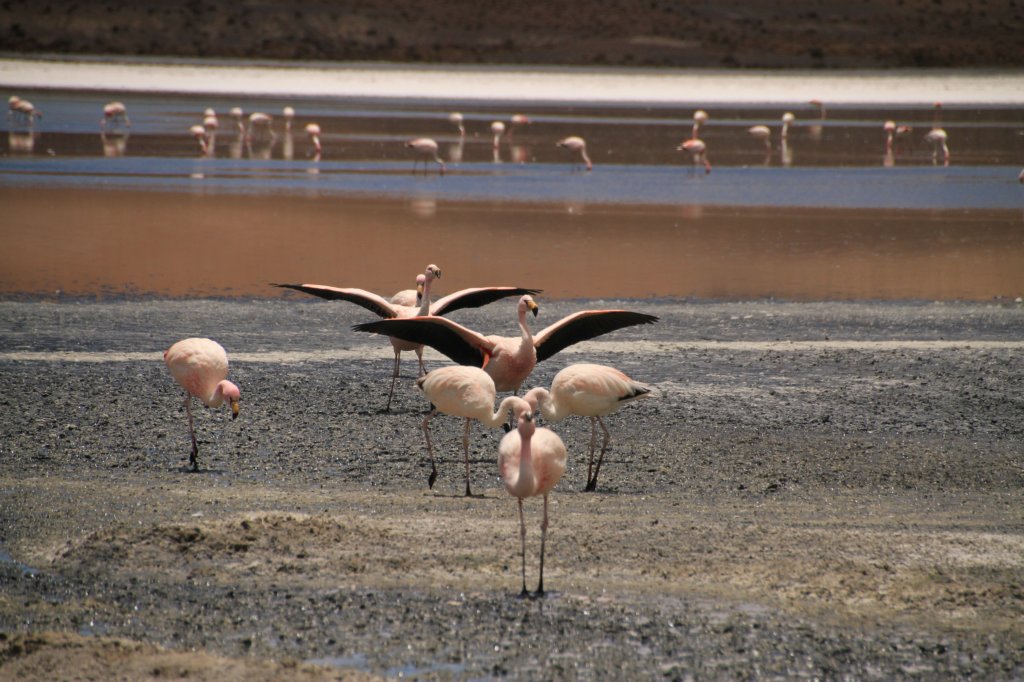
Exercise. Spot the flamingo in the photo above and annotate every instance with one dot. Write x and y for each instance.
(313, 130)
(762, 133)
(531, 462)
(517, 121)
(787, 119)
(578, 145)
(411, 297)
(938, 137)
(237, 114)
(199, 132)
(425, 149)
(461, 392)
(699, 151)
(591, 391)
(288, 113)
(455, 118)
(23, 110)
(497, 130)
(200, 366)
(700, 117)
(509, 360)
(260, 126)
(464, 298)
(115, 114)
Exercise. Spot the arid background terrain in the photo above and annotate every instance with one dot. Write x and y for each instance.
(745, 33)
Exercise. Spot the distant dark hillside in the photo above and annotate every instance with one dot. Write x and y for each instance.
(749, 33)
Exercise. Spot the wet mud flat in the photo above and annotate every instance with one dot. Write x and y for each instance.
(818, 489)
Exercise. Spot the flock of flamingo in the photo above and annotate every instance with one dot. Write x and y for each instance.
(257, 128)
(531, 459)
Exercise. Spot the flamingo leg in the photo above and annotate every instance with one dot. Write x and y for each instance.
(465, 450)
(430, 448)
(193, 457)
(394, 377)
(592, 483)
(522, 543)
(543, 541)
(590, 458)
(419, 356)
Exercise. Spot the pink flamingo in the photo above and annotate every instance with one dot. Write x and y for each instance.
(497, 130)
(761, 132)
(260, 126)
(938, 137)
(426, 150)
(237, 114)
(531, 462)
(700, 117)
(699, 151)
(787, 119)
(313, 131)
(24, 110)
(591, 391)
(200, 366)
(464, 298)
(456, 119)
(577, 145)
(461, 392)
(288, 113)
(517, 121)
(199, 132)
(509, 360)
(115, 114)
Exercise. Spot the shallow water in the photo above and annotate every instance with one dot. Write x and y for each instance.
(827, 215)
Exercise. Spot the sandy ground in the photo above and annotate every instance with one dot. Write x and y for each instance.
(849, 505)
(763, 33)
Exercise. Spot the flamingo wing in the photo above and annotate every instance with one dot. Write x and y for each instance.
(582, 326)
(462, 345)
(367, 299)
(474, 298)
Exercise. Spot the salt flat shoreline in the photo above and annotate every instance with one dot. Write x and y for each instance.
(520, 84)
(836, 509)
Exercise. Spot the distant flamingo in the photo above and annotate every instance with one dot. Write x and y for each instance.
(115, 114)
(464, 298)
(517, 121)
(23, 110)
(313, 130)
(699, 150)
(200, 366)
(577, 145)
(509, 360)
(937, 136)
(461, 392)
(589, 391)
(764, 133)
(497, 130)
(237, 114)
(531, 462)
(455, 118)
(199, 132)
(426, 150)
(288, 113)
(260, 126)
(787, 119)
(700, 117)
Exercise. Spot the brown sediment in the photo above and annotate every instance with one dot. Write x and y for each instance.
(114, 242)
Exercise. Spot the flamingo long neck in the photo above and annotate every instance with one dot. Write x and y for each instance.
(525, 328)
(425, 302)
(217, 398)
(498, 418)
(524, 483)
(549, 409)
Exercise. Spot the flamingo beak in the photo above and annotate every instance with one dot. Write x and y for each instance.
(419, 291)
(234, 409)
(533, 307)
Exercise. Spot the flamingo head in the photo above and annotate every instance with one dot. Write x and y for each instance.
(421, 281)
(889, 126)
(527, 303)
(700, 116)
(432, 272)
(788, 117)
(524, 422)
(230, 392)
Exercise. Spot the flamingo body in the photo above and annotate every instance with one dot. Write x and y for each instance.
(531, 462)
(426, 150)
(699, 150)
(587, 390)
(577, 145)
(200, 366)
(509, 360)
(467, 392)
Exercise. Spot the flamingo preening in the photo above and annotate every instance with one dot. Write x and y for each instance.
(391, 311)
(509, 360)
(576, 145)
(200, 366)
(461, 391)
(587, 390)
(699, 150)
(531, 462)
(115, 114)
(426, 150)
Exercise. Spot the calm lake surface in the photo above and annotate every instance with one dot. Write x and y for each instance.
(831, 213)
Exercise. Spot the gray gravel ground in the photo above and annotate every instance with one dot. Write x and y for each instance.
(817, 490)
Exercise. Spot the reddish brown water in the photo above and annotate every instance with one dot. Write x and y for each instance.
(111, 242)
